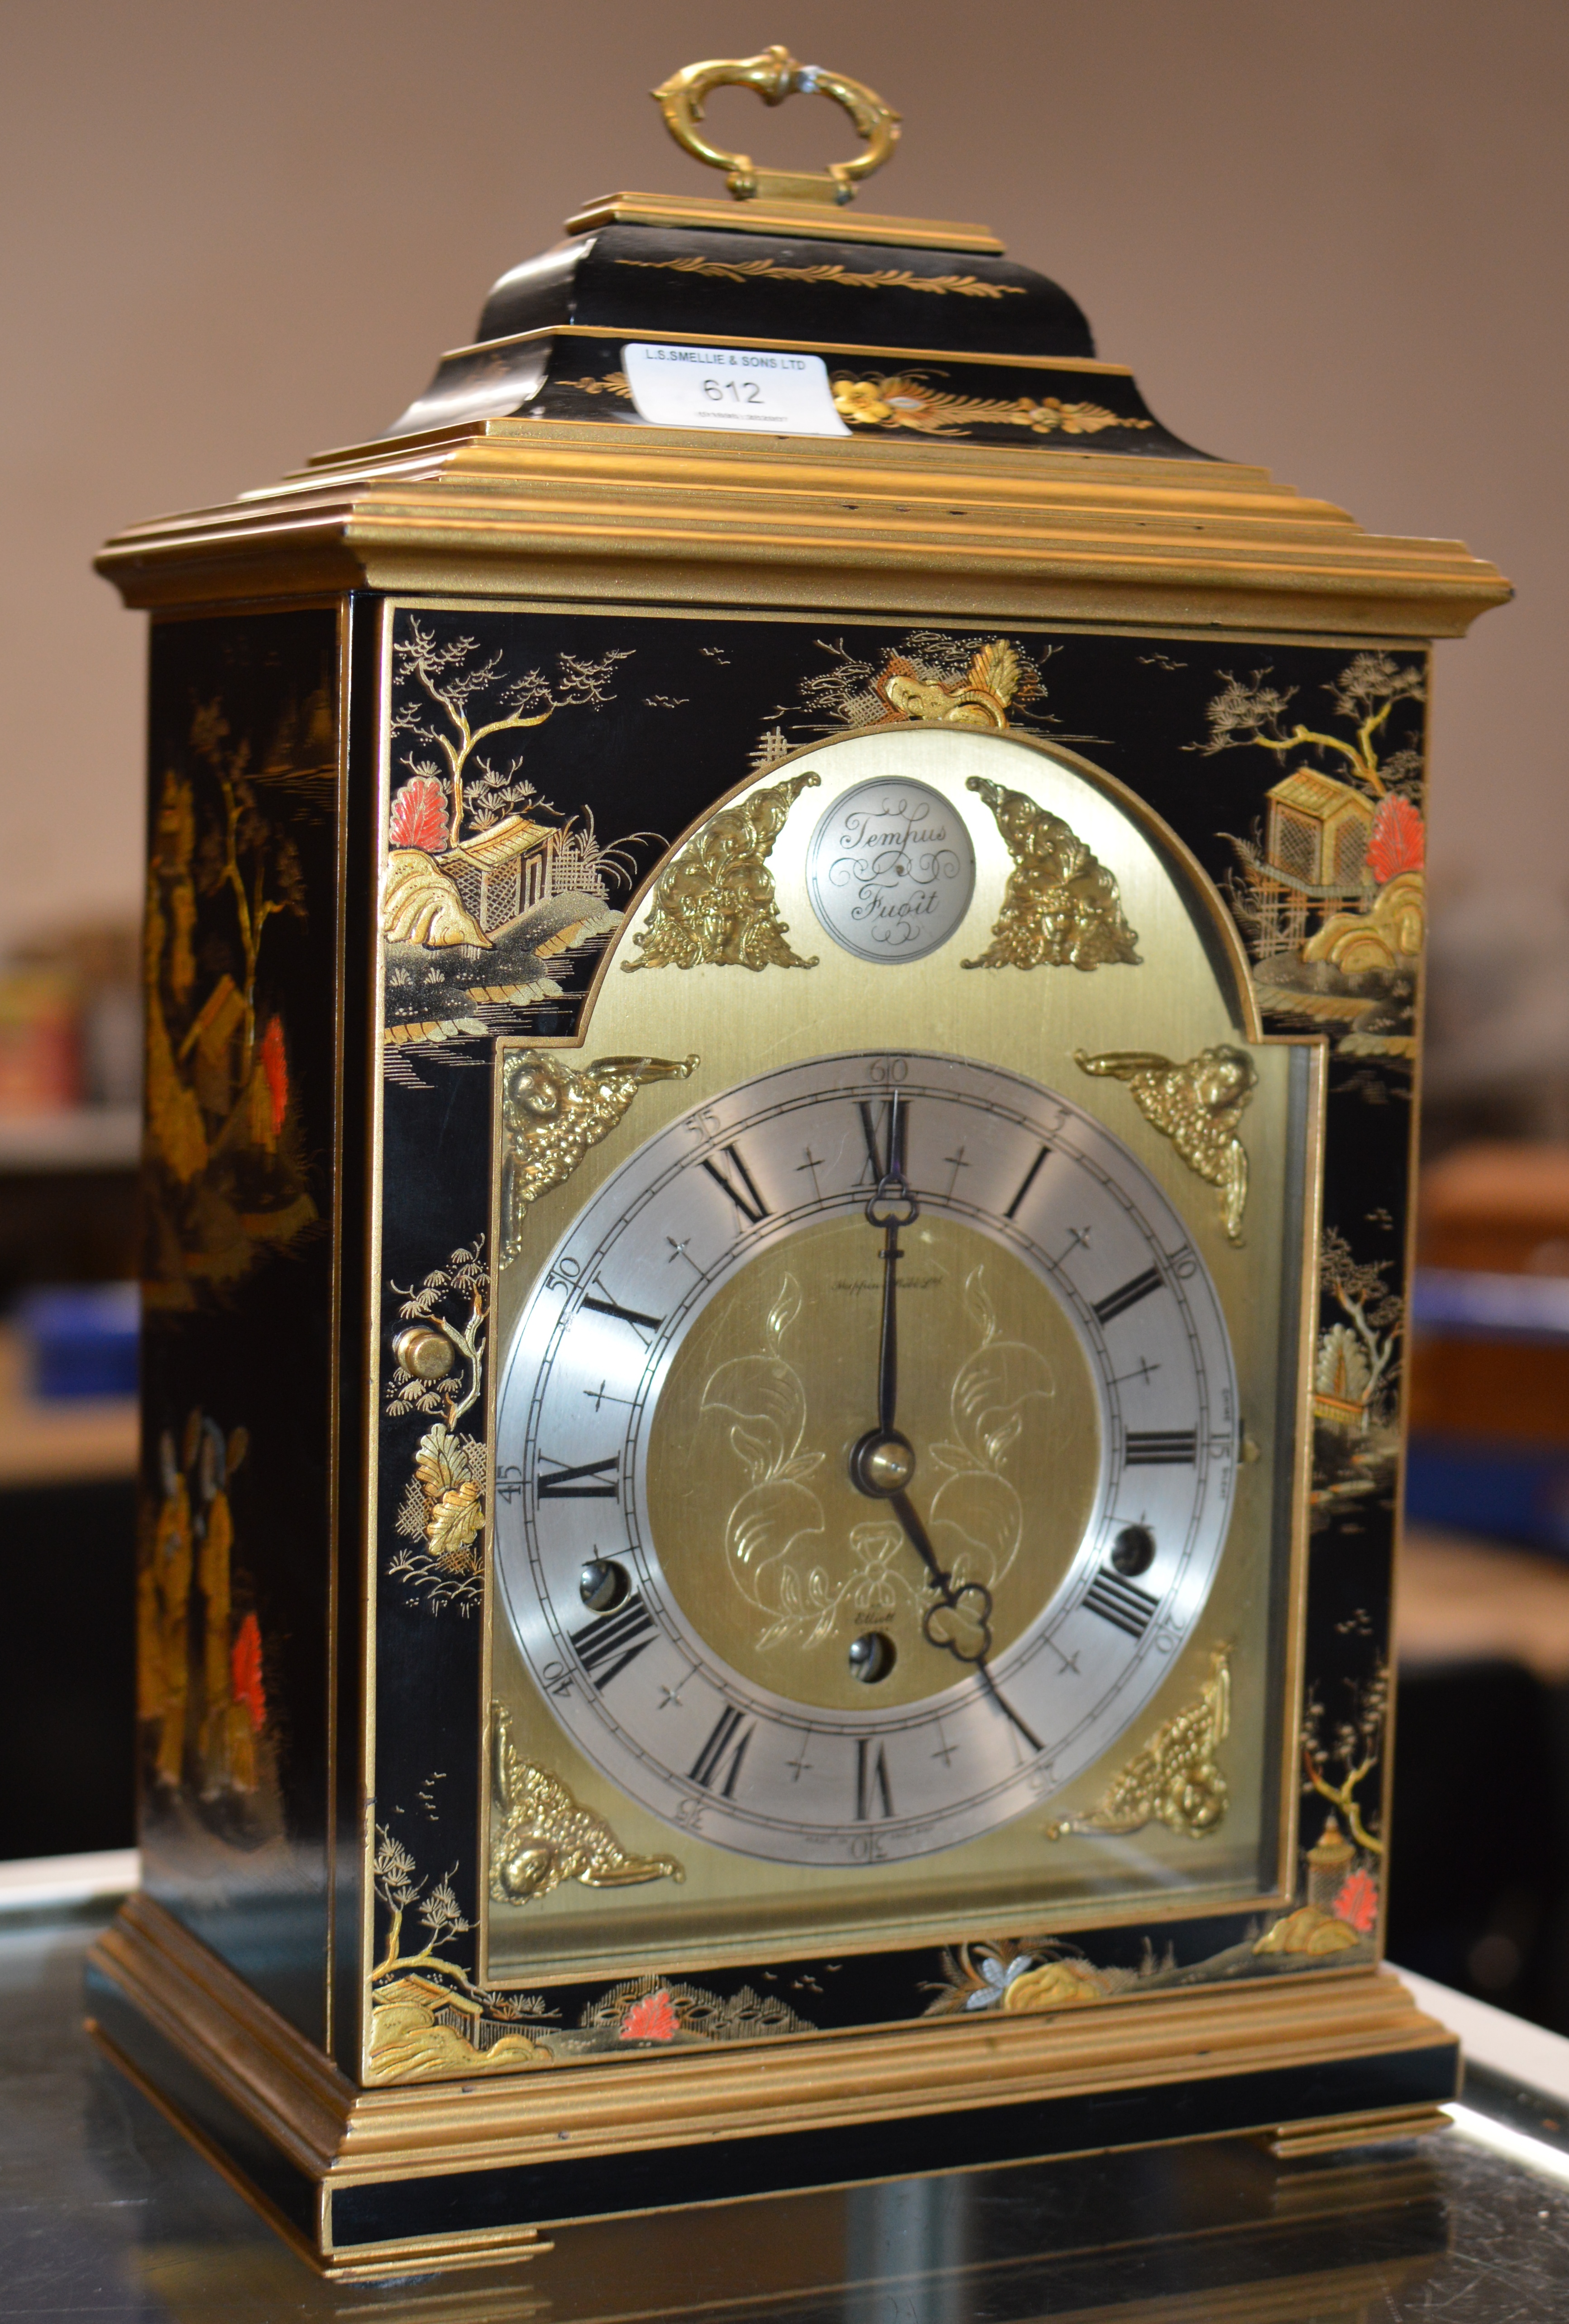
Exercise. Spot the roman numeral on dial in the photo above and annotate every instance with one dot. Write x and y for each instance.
(591, 1480)
(1120, 1603)
(605, 1645)
(873, 1791)
(633, 1315)
(1155, 1448)
(1137, 1287)
(745, 1196)
(885, 1126)
(1026, 1183)
(718, 1763)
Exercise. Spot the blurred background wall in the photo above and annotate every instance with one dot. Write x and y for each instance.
(1330, 239)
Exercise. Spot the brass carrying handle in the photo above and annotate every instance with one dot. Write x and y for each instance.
(775, 75)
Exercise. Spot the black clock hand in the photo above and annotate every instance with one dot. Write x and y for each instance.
(972, 1601)
(883, 1460)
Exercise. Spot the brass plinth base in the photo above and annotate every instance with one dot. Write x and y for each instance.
(378, 2180)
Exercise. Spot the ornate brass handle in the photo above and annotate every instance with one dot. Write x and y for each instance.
(775, 75)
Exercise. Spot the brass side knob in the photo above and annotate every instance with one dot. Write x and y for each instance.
(424, 1354)
(775, 75)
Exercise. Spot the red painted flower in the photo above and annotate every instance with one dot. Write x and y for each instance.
(275, 1070)
(1397, 842)
(652, 2019)
(419, 817)
(1358, 1902)
(246, 1673)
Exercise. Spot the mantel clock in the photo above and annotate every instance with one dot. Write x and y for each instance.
(783, 946)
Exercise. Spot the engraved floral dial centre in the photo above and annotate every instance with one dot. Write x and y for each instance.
(770, 1550)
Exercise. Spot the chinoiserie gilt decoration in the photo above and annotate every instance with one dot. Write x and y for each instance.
(1198, 1105)
(913, 400)
(715, 905)
(775, 75)
(737, 1520)
(552, 1115)
(830, 272)
(1061, 908)
(1176, 1779)
(981, 698)
(544, 1836)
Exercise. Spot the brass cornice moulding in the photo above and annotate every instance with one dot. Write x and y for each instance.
(794, 219)
(549, 509)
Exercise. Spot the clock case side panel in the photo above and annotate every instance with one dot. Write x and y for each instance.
(241, 1216)
(356, 1324)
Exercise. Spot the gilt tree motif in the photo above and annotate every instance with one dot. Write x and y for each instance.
(1376, 1312)
(468, 702)
(442, 1514)
(254, 860)
(1336, 1767)
(1253, 712)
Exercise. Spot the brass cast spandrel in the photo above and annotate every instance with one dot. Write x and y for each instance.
(1177, 1778)
(552, 1113)
(1062, 909)
(775, 1557)
(544, 1836)
(1199, 1106)
(715, 905)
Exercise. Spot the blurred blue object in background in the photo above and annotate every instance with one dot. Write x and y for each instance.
(1516, 1486)
(1467, 1303)
(80, 1339)
(1510, 1492)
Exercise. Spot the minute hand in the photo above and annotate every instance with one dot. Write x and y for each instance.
(892, 1205)
(883, 1462)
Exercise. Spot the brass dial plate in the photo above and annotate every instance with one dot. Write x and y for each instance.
(680, 1400)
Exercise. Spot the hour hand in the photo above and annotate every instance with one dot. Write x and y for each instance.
(960, 1619)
